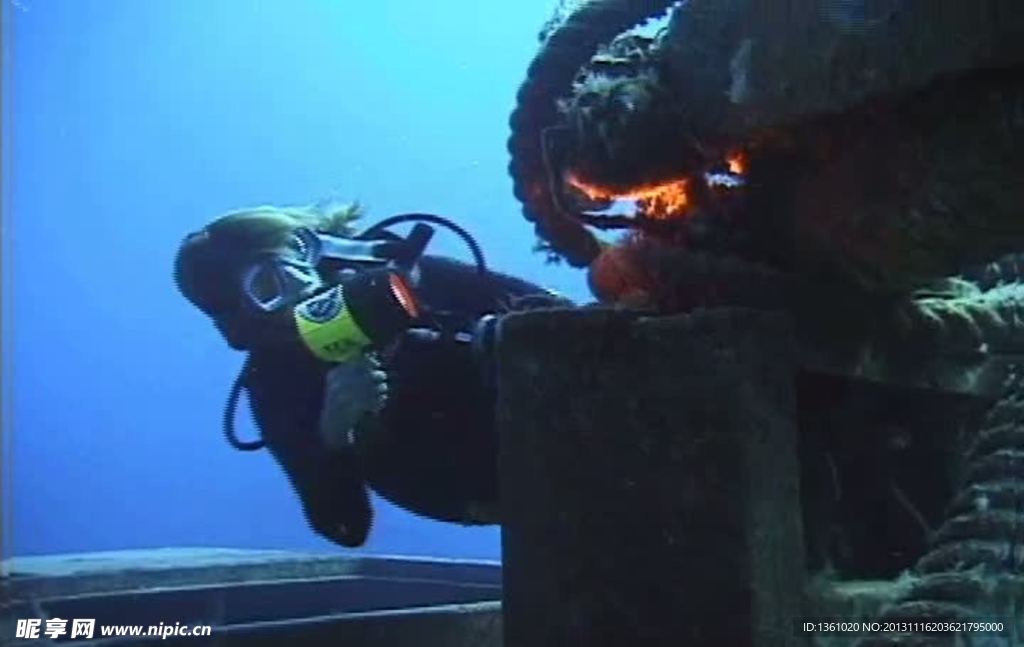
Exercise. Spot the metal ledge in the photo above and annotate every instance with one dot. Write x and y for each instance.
(258, 597)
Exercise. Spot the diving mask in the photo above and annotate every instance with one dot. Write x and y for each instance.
(296, 272)
(284, 278)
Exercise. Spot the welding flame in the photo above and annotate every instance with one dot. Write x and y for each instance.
(660, 201)
(664, 200)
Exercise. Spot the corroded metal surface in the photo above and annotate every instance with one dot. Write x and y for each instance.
(886, 149)
(882, 146)
(874, 158)
(624, 469)
(972, 571)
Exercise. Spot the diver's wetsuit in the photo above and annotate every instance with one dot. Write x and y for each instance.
(432, 450)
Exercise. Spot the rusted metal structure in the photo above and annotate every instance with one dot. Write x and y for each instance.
(854, 168)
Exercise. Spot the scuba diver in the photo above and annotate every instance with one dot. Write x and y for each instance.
(367, 359)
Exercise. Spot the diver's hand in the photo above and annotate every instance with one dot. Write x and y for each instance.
(351, 390)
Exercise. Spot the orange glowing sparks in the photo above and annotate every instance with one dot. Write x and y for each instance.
(667, 200)
(737, 163)
(661, 201)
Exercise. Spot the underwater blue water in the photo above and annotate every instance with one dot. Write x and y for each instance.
(128, 123)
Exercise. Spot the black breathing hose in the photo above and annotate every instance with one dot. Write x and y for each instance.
(229, 414)
(474, 247)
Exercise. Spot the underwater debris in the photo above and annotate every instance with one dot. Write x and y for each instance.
(972, 571)
(561, 56)
(877, 185)
(855, 168)
(870, 176)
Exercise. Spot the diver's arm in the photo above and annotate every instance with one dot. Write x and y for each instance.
(459, 287)
(523, 295)
(329, 484)
(464, 305)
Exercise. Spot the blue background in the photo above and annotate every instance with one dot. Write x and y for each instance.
(128, 123)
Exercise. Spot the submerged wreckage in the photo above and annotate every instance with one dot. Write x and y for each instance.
(804, 399)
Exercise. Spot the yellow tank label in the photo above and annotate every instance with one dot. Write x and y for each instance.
(328, 329)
